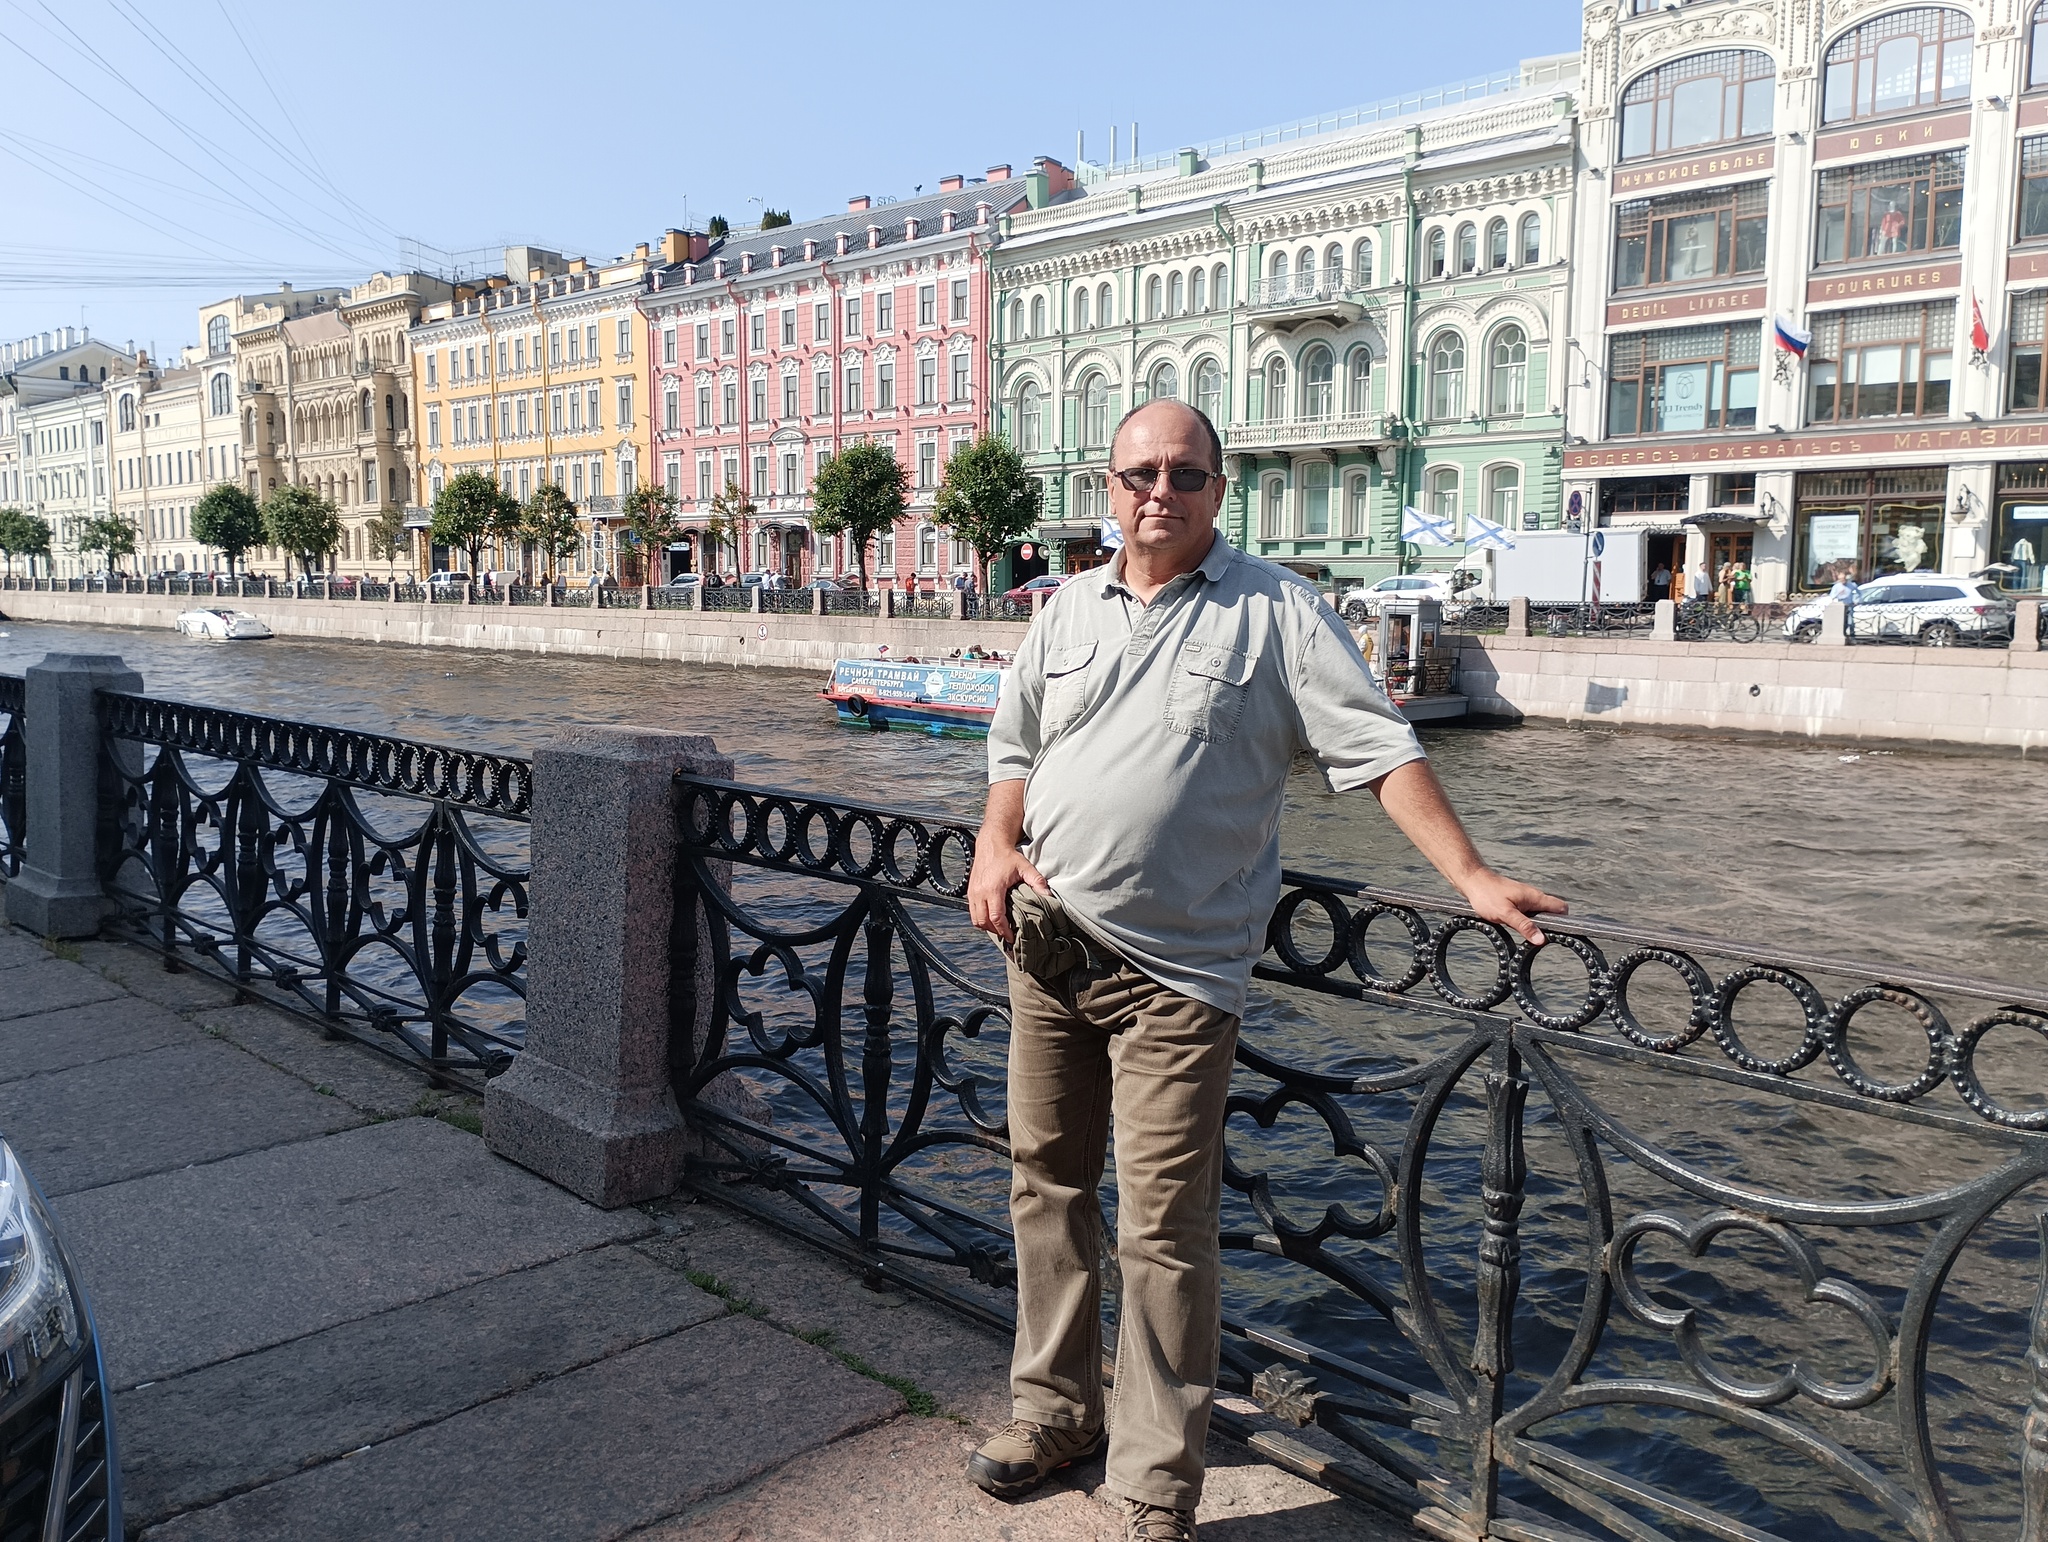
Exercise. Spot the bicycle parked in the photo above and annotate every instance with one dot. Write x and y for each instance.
(1699, 621)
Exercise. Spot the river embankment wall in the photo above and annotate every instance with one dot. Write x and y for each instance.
(1882, 694)
(770, 639)
(1990, 697)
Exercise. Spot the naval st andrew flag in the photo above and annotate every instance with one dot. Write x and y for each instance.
(1481, 532)
(1426, 530)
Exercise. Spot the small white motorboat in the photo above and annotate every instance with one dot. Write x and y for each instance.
(223, 625)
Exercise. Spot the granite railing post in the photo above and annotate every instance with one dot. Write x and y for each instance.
(647, 596)
(588, 1104)
(2026, 627)
(1518, 615)
(1665, 627)
(888, 610)
(1834, 623)
(58, 892)
(817, 602)
(959, 604)
(754, 598)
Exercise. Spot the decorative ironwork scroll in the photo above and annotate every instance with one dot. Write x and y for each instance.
(377, 883)
(13, 777)
(1639, 1235)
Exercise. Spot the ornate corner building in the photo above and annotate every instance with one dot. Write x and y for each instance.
(1368, 307)
(1869, 174)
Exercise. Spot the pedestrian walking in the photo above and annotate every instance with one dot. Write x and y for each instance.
(1129, 863)
(1699, 586)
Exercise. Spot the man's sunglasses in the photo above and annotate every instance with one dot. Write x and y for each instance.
(1182, 479)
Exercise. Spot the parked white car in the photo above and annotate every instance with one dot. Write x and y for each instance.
(1931, 608)
(1363, 603)
(222, 625)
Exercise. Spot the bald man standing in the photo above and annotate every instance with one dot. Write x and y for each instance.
(1129, 861)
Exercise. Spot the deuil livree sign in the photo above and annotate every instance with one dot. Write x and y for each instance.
(1933, 443)
(1686, 307)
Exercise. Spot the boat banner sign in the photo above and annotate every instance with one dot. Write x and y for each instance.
(940, 684)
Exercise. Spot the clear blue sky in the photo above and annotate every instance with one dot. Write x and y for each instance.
(155, 156)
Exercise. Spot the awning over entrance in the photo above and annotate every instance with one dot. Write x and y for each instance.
(1735, 516)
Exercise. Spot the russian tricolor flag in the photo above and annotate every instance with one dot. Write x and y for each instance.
(1790, 338)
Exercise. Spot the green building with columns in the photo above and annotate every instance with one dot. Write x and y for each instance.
(1371, 308)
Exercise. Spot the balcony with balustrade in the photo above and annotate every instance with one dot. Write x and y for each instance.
(1334, 294)
(1335, 431)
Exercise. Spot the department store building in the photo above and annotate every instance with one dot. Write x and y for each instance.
(1873, 174)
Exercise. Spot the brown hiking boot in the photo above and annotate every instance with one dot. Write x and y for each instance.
(1156, 1523)
(1012, 1463)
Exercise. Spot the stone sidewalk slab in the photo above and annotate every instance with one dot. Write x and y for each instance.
(120, 1119)
(195, 1439)
(587, 1457)
(18, 948)
(357, 1075)
(49, 984)
(907, 1479)
(188, 1268)
(141, 972)
(105, 1030)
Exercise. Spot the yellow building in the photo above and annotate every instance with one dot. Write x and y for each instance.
(536, 375)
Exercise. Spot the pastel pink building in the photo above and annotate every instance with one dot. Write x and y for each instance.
(774, 349)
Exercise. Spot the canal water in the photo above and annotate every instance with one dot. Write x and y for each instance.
(1928, 859)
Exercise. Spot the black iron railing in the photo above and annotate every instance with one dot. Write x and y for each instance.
(1639, 1235)
(375, 882)
(13, 777)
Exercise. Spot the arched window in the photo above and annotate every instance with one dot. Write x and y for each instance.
(1176, 295)
(1305, 271)
(1209, 389)
(927, 548)
(1504, 496)
(1315, 498)
(1080, 310)
(2037, 47)
(1038, 315)
(1278, 273)
(1702, 99)
(1030, 419)
(127, 415)
(1447, 375)
(1095, 412)
(1361, 260)
(1497, 244)
(1509, 367)
(1468, 249)
(1153, 295)
(1198, 299)
(1443, 494)
(391, 413)
(1164, 384)
(1272, 508)
(1357, 506)
(217, 335)
(1105, 306)
(1318, 383)
(368, 421)
(223, 401)
(1532, 240)
(1900, 62)
(1219, 287)
(1358, 383)
(1017, 319)
(1276, 388)
(1436, 253)
(1333, 265)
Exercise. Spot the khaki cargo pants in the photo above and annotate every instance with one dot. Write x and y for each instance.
(1091, 1047)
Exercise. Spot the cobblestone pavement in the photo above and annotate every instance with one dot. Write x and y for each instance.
(331, 1314)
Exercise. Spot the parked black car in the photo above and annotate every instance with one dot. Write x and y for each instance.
(58, 1475)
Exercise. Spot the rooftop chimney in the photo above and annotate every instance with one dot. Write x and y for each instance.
(858, 204)
(910, 227)
(952, 183)
(684, 246)
(775, 256)
(999, 173)
(948, 219)
(874, 237)
(810, 248)
(982, 211)
(840, 242)
(643, 251)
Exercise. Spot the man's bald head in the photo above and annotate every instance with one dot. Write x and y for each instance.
(1167, 404)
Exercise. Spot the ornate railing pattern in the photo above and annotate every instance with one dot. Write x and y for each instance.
(13, 777)
(1546, 1238)
(376, 882)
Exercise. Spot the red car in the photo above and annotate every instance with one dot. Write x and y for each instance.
(1045, 582)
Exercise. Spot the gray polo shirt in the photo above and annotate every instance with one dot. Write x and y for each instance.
(1154, 742)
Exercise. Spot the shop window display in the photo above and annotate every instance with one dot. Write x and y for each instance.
(1866, 524)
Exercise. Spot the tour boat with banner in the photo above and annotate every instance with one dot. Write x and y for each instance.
(222, 625)
(954, 696)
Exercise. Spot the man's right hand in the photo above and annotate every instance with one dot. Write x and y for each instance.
(996, 872)
(998, 865)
